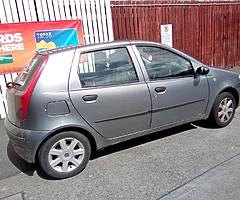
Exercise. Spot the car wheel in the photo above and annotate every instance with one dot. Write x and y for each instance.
(223, 109)
(64, 155)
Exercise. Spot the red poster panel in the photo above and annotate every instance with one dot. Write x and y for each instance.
(19, 41)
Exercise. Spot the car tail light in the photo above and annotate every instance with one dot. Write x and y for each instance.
(27, 93)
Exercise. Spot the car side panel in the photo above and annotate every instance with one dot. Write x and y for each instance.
(119, 109)
(185, 99)
(219, 80)
(52, 89)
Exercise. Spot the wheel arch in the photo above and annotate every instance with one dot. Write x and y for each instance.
(80, 130)
(232, 91)
(229, 89)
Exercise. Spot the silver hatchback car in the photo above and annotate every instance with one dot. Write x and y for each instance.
(69, 102)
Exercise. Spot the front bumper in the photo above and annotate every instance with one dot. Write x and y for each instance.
(25, 142)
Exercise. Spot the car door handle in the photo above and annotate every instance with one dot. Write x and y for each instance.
(92, 97)
(160, 89)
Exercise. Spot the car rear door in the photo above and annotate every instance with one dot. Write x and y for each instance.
(177, 94)
(108, 90)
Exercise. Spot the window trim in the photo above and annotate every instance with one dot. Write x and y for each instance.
(131, 56)
(166, 49)
(106, 86)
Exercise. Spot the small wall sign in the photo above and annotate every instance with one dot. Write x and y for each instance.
(166, 34)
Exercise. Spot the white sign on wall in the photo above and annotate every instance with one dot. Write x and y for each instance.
(166, 34)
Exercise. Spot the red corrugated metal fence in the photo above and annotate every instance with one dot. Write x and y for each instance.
(209, 32)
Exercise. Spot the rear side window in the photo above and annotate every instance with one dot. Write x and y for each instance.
(26, 74)
(106, 67)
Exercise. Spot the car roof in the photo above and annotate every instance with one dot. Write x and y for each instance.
(116, 44)
(102, 44)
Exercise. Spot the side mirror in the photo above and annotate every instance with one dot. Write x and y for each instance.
(203, 70)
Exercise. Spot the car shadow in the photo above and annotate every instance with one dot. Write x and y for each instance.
(19, 163)
(24, 166)
(29, 169)
(142, 140)
(205, 124)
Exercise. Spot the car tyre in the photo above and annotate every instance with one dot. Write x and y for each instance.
(223, 110)
(64, 155)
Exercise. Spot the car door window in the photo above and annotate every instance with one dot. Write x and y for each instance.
(106, 67)
(161, 63)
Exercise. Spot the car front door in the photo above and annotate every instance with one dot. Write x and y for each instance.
(177, 94)
(108, 90)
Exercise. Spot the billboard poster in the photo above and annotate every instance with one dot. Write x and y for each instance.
(19, 41)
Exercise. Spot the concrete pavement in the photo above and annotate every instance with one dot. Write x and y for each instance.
(220, 182)
(187, 162)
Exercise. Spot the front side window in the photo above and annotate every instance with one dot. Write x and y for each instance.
(161, 63)
(106, 67)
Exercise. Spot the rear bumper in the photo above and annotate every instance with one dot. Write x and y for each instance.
(25, 142)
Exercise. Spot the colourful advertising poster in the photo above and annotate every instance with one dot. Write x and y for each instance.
(19, 41)
(56, 38)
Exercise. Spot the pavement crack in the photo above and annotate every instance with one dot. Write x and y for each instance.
(201, 174)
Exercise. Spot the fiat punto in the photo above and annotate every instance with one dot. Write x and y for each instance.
(70, 102)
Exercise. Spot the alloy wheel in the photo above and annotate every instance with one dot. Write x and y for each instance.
(225, 110)
(66, 155)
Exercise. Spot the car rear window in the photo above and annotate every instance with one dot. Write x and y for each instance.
(26, 74)
(106, 68)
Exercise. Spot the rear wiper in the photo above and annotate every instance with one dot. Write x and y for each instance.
(12, 85)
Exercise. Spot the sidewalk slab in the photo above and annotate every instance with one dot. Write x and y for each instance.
(18, 196)
(219, 183)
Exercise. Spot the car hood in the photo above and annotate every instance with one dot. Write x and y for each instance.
(230, 78)
(223, 72)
